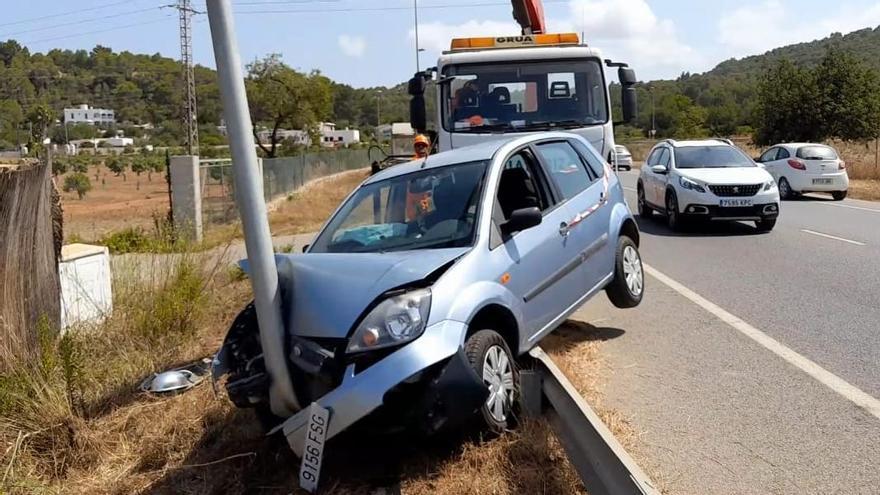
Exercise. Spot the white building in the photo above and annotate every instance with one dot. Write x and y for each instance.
(297, 137)
(333, 138)
(85, 114)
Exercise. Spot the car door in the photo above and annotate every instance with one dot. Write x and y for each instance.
(649, 177)
(658, 194)
(769, 160)
(540, 263)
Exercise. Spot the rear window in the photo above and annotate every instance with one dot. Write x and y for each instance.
(711, 157)
(817, 153)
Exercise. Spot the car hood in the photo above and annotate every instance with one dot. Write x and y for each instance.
(323, 295)
(740, 175)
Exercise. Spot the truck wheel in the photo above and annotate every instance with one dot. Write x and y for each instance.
(628, 285)
(492, 360)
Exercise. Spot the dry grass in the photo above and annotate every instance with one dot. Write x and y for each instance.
(306, 210)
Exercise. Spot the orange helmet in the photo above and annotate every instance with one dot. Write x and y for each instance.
(422, 139)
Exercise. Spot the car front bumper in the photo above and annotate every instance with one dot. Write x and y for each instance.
(764, 206)
(359, 394)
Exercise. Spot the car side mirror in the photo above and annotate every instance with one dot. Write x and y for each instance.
(522, 219)
(659, 169)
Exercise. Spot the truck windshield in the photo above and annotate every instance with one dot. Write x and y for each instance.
(430, 209)
(524, 96)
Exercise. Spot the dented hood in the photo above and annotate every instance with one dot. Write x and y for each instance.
(323, 295)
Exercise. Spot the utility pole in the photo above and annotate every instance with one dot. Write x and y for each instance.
(653, 126)
(416, 15)
(252, 207)
(190, 112)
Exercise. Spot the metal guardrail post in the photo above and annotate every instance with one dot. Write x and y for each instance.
(602, 463)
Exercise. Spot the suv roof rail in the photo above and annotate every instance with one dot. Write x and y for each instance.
(724, 140)
(669, 141)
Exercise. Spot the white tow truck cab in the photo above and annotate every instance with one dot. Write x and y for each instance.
(490, 88)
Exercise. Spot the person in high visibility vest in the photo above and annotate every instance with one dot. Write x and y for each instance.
(421, 146)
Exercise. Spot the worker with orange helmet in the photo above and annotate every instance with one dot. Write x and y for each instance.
(422, 146)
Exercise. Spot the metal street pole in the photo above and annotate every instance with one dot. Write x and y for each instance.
(246, 175)
(416, 15)
(653, 126)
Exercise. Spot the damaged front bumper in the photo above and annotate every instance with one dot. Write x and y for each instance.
(454, 394)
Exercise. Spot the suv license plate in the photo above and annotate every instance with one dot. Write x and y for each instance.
(733, 203)
(313, 449)
(824, 182)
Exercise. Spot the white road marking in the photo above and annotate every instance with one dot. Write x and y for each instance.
(829, 236)
(837, 205)
(820, 374)
(630, 188)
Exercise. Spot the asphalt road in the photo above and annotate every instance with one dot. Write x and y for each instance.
(752, 364)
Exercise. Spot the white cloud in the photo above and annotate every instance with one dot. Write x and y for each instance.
(353, 46)
(754, 29)
(625, 30)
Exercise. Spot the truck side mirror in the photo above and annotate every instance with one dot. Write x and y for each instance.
(417, 113)
(629, 100)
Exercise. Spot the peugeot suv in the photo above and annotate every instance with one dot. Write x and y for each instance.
(709, 179)
(432, 277)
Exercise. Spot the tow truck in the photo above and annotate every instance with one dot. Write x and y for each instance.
(497, 86)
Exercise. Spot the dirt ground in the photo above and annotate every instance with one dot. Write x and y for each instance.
(114, 203)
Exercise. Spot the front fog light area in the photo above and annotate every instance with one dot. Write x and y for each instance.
(394, 321)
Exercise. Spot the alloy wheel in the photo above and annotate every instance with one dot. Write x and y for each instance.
(498, 376)
(632, 271)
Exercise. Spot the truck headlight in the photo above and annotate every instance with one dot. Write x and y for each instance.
(394, 321)
(689, 184)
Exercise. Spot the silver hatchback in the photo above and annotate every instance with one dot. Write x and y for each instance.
(433, 276)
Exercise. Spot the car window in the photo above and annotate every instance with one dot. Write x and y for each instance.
(817, 152)
(652, 158)
(591, 156)
(565, 167)
(769, 155)
(522, 185)
(429, 209)
(783, 154)
(663, 159)
(688, 157)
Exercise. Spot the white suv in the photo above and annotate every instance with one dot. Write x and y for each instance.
(709, 179)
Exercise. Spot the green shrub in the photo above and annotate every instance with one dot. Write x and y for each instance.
(78, 182)
(130, 240)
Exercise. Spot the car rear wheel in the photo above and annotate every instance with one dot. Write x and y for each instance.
(765, 225)
(673, 218)
(838, 195)
(785, 191)
(645, 211)
(493, 362)
(628, 285)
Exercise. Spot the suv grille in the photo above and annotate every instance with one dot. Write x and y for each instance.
(743, 190)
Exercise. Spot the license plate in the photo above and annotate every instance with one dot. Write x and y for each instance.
(313, 449)
(734, 203)
(824, 182)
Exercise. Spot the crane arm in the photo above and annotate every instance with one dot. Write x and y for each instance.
(530, 15)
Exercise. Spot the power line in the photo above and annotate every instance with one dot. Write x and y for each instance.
(77, 22)
(126, 26)
(70, 12)
(378, 9)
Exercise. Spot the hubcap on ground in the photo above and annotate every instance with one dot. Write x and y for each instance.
(632, 270)
(498, 376)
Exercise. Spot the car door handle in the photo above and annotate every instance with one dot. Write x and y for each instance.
(564, 229)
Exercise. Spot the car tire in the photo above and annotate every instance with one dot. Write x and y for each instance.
(673, 217)
(785, 191)
(765, 225)
(628, 285)
(490, 357)
(839, 195)
(645, 211)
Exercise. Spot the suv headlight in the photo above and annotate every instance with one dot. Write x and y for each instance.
(769, 185)
(689, 184)
(394, 321)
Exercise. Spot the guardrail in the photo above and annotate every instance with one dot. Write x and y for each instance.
(602, 463)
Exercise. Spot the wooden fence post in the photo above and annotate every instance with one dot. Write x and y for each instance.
(29, 287)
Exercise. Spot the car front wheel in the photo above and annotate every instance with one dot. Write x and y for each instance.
(493, 362)
(628, 285)
(673, 218)
(645, 211)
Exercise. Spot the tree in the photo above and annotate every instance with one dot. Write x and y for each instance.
(139, 165)
(39, 117)
(59, 166)
(77, 182)
(849, 96)
(282, 97)
(788, 107)
(117, 166)
(722, 120)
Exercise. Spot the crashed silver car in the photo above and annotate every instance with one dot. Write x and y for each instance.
(432, 277)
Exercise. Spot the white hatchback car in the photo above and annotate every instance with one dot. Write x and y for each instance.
(804, 167)
(709, 179)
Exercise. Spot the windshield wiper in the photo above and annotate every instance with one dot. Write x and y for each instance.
(487, 127)
(552, 124)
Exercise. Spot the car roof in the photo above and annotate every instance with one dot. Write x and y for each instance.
(477, 152)
(697, 142)
(801, 145)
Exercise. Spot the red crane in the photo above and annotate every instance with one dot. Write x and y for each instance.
(530, 15)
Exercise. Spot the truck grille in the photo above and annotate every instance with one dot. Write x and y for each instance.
(736, 191)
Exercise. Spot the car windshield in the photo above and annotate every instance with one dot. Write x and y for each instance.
(817, 153)
(524, 96)
(430, 209)
(711, 157)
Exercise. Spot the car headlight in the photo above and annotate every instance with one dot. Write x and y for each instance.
(769, 185)
(394, 321)
(689, 184)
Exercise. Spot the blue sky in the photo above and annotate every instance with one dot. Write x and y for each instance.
(660, 38)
